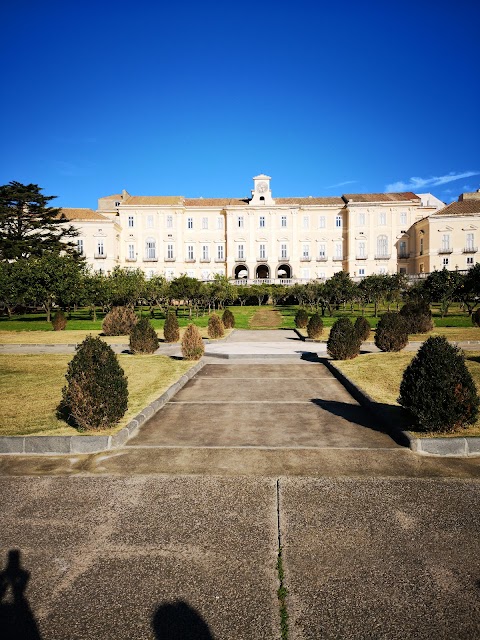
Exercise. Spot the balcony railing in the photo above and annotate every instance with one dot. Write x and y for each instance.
(321, 258)
(470, 250)
(403, 255)
(262, 259)
(306, 259)
(205, 259)
(170, 259)
(147, 259)
(382, 256)
(219, 259)
(190, 260)
(337, 258)
(240, 259)
(445, 250)
(100, 256)
(131, 259)
(361, 257)
(280, 258)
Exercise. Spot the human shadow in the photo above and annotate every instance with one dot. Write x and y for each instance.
(17, 621)
(179, 621)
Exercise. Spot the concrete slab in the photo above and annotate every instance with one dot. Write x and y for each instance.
(381, 558)
(276, 371)
(123, 558)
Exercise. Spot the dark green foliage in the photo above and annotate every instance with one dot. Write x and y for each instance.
(192, 343)
(476, 317)
(315, 327)
(228, 319)
(59, 321)
(417, 316)
(171, 332)
(437, 388)
(391, 333)
(301, 319)
(143, 337)
(119, 321)
(343, 342)
(96, 394)
(362, 328)
(215, 327)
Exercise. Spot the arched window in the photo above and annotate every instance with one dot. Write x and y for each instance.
(382, 246)
(150, 249)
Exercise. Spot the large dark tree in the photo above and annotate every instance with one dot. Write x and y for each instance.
(29, 226)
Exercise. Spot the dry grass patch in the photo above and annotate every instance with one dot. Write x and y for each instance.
(266, 319)
(380, 375)
(31, 388)
(55, 337)
(453, 334)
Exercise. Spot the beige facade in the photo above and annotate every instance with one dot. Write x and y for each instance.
(275, 239)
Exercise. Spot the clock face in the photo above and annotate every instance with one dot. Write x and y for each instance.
(262, 187)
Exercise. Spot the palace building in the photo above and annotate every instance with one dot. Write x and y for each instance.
(278, 239)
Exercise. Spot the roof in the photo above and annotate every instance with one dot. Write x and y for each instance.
(215, 202)
(461, 208)
(81, 214)
(115, 196)
(311, 200)
(162, 200)
(380, 197)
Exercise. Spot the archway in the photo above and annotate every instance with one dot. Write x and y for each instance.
(241, 271)
(262, 271)
(284, 271)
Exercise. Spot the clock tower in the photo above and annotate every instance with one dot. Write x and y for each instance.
(261, 193)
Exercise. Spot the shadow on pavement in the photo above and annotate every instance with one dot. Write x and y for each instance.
(17, 621)
(174, 620)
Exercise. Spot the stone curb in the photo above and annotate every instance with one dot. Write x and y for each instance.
(93, 444)
(459, 447)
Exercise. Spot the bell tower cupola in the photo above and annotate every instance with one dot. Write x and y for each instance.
(261, 192)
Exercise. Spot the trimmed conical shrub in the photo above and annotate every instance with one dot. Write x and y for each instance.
(143, 337)
(192, 343)
(417, 316)
(96, 394)
(215, 327)
(119, 321)
(343, 342)
(315, 326)
(391, 333)
(59, 321)
(301, 319)
(228, 319)
(171, 331)
(437, 388)
(476, 317)
(362, 328)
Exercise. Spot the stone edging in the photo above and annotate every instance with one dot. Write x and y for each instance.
(467, 446)
(93, 444)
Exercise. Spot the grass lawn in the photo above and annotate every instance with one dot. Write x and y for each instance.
(31, 388)
(380, 374)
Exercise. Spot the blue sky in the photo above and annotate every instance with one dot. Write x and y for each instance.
(196, 98)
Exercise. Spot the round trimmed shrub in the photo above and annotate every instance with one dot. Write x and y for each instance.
(215, 327)
(437, 388)
(143, 337)
(315, 326)
(417, 316)
(171, 331)
(119, 321)
(228, 319)
(301, 319)
(362, 328)
(96, 394)
(343, 342)
(192, 343)
(476, 317)
(391, 333)
(59, 321)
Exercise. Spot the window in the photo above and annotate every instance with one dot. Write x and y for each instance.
(240, 222)
(170, 274)
(470, 241)
(421, 246)
(469, 261)
(149, 222)
(306, 251)
(169, 222)
(403, 218)
(204, 223)
(361, 219)
(306, 222)
(189, 223)
(190, 273)
(220, 222)
(382, 270)
(402, 249)
(445, 262)
(241, 252)
(130, 221)
(382, 218)
(190, 252)
(361, 272)
(321, 222)
(131, 252)
(306, 274)
(205, 274)
(100, 249)
(382, 246)
(262, 252)
(283, 251)
(262, 222)
(205, 252)
(220, 252)
(170, 251)
(422, 267)
(284, 221)
(80, 246)
(446, 242)
(151, 249)
(322, 251)
(338, 221)
(361, 249)
(338, 250)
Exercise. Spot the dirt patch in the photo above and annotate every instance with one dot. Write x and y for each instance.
(266, 319)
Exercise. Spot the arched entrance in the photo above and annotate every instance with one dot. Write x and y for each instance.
(241, 271)
(284, 271)
(262, 271)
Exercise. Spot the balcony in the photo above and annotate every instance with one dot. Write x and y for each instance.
(190, 260)
(382, 256)
(337, 258)
(219, 259)
(306, 259)
(283, 258)
(131, 259)
(361, 257)
(240, 259)
(403, 255)
(100, 256)
(150, 259)
(445, 251)
(170, 259)
(470, 250)
(321, 258)
(205, 260)
(264, 259)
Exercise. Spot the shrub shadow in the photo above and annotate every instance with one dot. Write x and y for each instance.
(178, 620)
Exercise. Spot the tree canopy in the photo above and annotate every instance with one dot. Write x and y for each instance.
(29, 226)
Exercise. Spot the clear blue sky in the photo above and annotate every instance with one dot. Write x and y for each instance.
(195, 98)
